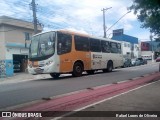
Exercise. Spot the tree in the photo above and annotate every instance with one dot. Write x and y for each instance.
(148, 12)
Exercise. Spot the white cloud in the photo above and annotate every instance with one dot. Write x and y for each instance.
(143, 36)
(81, 30)
(82, 15)
(57, 19)
(5, 9)
(128, 26)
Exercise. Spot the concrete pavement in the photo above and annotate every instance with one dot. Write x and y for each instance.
(21, 77)
(145, 98)
(25, 76)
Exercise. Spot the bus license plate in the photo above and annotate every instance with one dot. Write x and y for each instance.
(38, 70)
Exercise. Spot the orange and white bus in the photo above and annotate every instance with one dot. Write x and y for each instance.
(63, 51)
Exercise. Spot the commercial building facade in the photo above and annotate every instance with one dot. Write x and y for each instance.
(14, 44)
(148, 47)
(130, 44)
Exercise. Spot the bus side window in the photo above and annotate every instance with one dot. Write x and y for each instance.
(105, 46)
(95, 45)
(114, 48)
(81, 43)
(119, 48)
(64, 43)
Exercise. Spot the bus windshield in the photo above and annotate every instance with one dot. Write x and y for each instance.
(42, 45)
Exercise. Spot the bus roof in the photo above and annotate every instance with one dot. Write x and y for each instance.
(80, 34)
(74, 33)
(67, 32)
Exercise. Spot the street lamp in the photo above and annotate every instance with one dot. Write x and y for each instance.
(118, 20)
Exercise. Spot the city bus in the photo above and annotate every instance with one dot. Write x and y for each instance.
(64, 51)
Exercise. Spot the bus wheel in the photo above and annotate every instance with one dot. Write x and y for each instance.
(124, 66)
(104, 70)
(55, 75)
(90, 72)
(109, 66)
(77, 69)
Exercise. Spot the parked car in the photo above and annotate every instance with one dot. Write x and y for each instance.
(158, 59)
(141, 61)
(127, 62)
(138, 61)
(16, 66)
(145, 61)
(135, 62)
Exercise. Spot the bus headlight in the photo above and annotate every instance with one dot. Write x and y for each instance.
(30, 65)
(49, 62)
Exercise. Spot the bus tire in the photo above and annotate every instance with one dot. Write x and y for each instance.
(77, 69)
(104, 70)
(54, 75)
(90, 72)
(110, 66)
(124, 66)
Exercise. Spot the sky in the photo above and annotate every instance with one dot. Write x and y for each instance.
(85, 16)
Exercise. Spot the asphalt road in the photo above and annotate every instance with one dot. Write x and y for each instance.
(18, 93)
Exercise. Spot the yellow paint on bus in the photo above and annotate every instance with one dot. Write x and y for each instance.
(67, 60)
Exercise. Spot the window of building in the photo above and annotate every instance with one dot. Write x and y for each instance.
(135, 46)
(132, 46)
(105, 46)
(95, 45)
(27, 36)
(114, 48)
(143, 44)
(64, 43)
(81, 43)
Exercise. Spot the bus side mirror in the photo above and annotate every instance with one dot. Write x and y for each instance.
(60, 45)
(59, 48)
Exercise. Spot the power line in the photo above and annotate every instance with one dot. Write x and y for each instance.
(118, 20)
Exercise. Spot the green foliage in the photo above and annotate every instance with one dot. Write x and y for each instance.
(148, 12)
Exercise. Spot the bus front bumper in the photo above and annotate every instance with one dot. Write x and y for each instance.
(52, 68)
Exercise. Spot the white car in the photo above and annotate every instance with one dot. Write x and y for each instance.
(135, 62)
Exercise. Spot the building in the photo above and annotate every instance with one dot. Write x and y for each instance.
(126, 49)
(14, 42)
(130, 44)
(147, 47)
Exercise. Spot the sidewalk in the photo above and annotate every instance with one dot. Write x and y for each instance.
(142, 99)
(150, 61)
(23, 76)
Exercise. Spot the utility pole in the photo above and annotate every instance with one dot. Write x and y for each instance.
(34, 16)
(151, 45)
(104, 25)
